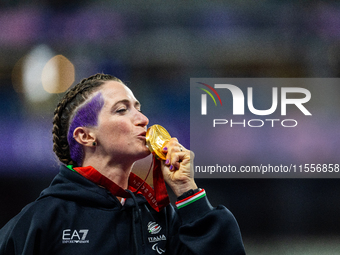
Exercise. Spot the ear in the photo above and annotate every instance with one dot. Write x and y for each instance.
(84, 136)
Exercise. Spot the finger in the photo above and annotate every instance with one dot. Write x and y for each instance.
(168, 149)
(170, 144)
(175, 154)
(173, 146)
(179, 158)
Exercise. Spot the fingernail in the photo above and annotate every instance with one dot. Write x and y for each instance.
(171, 167)
(165, 148)
(167, 161)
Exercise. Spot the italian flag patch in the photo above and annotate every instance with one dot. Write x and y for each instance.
(191, 199)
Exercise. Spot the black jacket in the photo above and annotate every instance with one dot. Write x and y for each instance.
(75, 216)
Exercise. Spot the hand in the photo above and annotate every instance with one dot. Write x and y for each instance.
(178, 168)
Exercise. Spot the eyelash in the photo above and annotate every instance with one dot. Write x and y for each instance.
(122, 110)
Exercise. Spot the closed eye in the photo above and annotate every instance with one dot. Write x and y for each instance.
(124, 105)
(121, 110)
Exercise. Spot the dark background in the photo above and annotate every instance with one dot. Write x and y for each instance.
(156, 47)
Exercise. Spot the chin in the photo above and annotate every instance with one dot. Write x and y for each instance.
(144, 154)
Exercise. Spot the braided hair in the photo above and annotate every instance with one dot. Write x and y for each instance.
(66, 108)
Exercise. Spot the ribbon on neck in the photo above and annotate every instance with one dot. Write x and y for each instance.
(157, 198)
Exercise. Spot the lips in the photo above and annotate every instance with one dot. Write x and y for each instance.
(143, 134)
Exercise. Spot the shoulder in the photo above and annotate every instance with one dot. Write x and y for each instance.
(33, 216)
(27, 227)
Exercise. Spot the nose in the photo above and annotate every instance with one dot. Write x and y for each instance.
(141, 119)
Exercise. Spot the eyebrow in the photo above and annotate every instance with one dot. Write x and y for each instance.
(124, 101)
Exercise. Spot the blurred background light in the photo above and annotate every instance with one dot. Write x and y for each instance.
(57, 75)
(32, 67)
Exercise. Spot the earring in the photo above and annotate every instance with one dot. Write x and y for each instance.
(94, 144)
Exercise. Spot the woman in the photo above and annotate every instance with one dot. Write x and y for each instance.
(95, 205)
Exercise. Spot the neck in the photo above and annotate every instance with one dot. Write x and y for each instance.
(116, 172)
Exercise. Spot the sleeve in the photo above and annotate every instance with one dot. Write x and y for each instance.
(6, 244)
(198, 228)
(10, 241)
(22, 235)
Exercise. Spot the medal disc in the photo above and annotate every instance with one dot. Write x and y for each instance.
(156, 136)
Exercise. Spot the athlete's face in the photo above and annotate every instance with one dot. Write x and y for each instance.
(121, 128)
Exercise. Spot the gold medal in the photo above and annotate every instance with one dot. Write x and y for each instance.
(156, 136)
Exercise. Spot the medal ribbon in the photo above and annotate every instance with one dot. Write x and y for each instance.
(157, 198)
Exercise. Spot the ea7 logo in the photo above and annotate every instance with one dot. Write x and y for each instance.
(238, 99)
(74, 236)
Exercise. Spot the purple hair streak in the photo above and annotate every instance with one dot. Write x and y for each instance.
(85, 116)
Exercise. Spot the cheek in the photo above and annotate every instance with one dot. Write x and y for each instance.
(117, 130)
(122, 129)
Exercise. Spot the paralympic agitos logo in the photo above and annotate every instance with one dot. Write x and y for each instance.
(238, 99)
